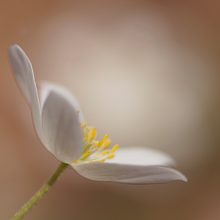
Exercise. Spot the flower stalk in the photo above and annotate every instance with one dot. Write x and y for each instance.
(40, 193)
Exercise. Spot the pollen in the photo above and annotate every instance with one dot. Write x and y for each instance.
(96, 150)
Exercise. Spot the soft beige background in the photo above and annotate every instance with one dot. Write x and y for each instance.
(145, 72)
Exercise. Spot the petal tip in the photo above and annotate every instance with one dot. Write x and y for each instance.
(184, 178)
(14, 47)
(46, 88)
(18, 57)
(181, 177)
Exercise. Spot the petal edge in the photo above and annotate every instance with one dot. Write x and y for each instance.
(133, 174)
(24, 75)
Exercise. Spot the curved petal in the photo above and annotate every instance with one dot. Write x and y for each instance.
(46, 87)
(124, 173)
(61, 126)
(140, 155)
(24, 75)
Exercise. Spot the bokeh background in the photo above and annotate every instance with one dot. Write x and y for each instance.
(146, 72)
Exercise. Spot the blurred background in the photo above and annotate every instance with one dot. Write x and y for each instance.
(146, 72)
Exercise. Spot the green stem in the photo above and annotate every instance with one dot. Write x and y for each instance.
(40, 193)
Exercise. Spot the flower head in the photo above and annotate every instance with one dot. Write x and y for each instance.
(61, 128)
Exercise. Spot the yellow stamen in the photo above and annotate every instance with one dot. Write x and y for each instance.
(105, 152)
(85, 155)
(110, 156)
(92, 134)
(106, 143)
(96, 150)
(115, 148)
(103, 140)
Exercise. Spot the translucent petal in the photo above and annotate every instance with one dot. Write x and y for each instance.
(138, 165)
(61, 126)
(46, 87)
(140, 155)
(124, 173)
(24, 75)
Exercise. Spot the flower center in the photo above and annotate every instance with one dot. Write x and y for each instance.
(96, 150)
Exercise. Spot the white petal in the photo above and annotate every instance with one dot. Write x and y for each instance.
(61, 126)
(25, 78)
(135, 174)
(47, 87)
(140, 155)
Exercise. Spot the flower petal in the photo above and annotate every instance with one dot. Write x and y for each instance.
(132, 165)
(61, 126)
(124, 173)
(24, 75)
(140, 155)
(46, 87)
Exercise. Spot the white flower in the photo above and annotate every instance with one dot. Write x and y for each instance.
(60, 126)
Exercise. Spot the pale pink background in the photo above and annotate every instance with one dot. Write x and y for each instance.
(146, 72)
